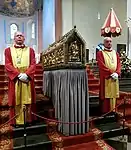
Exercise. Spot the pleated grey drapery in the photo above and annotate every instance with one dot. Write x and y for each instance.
(68, 89)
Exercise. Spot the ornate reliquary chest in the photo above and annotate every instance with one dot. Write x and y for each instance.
(68, 52)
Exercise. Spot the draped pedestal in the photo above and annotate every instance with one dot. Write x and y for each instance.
(68, 89)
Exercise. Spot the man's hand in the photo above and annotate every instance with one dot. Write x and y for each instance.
(114, 75)
(20, 75)
(23, 77)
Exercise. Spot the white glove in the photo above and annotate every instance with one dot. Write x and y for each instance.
(23, 76)
(20, 75)
(114, 76)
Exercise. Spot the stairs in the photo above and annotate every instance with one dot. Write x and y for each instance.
(38, 79)
(37, 137)
(108, 124)
(124, 83)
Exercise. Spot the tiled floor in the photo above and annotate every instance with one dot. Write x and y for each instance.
(120, 143)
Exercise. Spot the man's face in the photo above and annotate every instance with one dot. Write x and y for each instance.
(108, 43)
(19, 38)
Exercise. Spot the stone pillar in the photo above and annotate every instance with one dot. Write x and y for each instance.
(40, 37)
(58, 19)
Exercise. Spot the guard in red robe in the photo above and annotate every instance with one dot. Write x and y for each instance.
(109, 70)
(20, 66)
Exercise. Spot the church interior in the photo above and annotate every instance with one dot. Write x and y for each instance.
(65, 35)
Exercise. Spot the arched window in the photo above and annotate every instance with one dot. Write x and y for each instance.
(33, 30)
(13, 29)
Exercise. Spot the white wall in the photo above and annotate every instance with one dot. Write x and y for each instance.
(24, 25)
(84, 14)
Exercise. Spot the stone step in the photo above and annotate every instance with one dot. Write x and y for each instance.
(36, 129)
(93, 100)
(109, 118)
(125, 84)
(125, 89)
(113, 129)
(124, 80)
(34, 142)
(119, 143)
(94, 107)
(45, 108)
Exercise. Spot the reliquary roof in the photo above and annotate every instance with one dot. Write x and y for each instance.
(65, 39)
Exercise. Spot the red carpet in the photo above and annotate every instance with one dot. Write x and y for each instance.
(95, 145)
(6, 142)
(89, 141)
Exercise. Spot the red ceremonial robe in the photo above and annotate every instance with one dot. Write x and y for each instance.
(12, 73)
(105, 73)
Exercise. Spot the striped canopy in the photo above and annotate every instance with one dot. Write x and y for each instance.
(112, 26)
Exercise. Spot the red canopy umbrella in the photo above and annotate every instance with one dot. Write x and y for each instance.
(112, 26)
